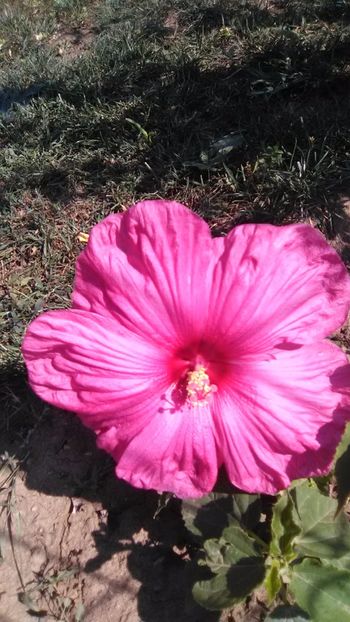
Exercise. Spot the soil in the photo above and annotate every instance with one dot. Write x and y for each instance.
(73, 42)
(75, 539)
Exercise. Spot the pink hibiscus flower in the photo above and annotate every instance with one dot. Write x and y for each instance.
(185, 353)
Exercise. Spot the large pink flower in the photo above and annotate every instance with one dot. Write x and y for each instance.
(184, 353)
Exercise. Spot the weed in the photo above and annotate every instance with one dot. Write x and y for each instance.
(45, 596)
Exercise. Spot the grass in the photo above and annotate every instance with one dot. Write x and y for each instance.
(239, 109)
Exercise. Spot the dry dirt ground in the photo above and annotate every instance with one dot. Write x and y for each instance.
(70, 530)
(76, 544)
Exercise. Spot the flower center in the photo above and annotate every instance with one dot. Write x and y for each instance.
(198, 387)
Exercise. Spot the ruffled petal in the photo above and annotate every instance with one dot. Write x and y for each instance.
(151, 269)
(153, 293)
(87, 363)
(175, 452)
(281, 419)
(276, 285)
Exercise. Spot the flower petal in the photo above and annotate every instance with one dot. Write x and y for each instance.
(151, 269)
(281, 419)
(175, 452)
(277, 284)
(87, 363)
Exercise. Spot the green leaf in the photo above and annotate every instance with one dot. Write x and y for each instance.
(242, 544)
(285, 613)
(321, 534)
(323, 591)
(225, 590)
(213, 594)
(208, 516)
(246, 509)
(342, 468)
(142, 132)
(234, 559)
(217, 556)
(273, 581)
(234, 545)
(323, 482)
(283, 528)
(344, 443)
(342, 475)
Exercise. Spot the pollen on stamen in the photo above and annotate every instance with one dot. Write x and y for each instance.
(198, 387)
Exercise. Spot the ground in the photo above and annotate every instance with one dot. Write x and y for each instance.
(239, 110)
(79, 541)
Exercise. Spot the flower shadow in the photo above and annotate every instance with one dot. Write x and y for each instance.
(155, 560)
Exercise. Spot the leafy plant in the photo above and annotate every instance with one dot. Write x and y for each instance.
(304, 559)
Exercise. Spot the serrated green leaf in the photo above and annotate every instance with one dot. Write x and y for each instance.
(208, 516)
(285, 613)
(284, 528)
(322, 591)
(225, 590)
(321, 534)
(273, 581)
